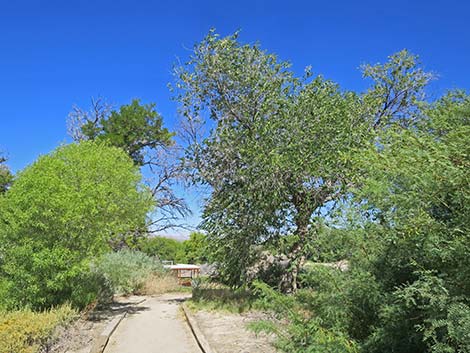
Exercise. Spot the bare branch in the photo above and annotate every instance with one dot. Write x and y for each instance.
(78, 118)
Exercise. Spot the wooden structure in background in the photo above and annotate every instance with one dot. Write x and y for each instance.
(185, 272)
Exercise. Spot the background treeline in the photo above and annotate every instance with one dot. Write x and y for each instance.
(192, 250)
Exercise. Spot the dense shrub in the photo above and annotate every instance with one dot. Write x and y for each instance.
(127, 271)
(26, 331)
(65, 209)
(298, 329)
(418, 188)
(408, 286)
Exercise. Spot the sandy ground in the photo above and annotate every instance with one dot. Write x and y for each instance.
(157, 325)
(227, 333)
(80, 335)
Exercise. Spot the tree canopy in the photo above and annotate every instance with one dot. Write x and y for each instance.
(277, 155)
(138, 129)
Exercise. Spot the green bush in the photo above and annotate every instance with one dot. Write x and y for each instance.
(126, 271)
(298, 328)
(25, 331)
(65, 209)
(408, 286)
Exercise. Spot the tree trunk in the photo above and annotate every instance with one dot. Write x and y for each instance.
(297, 254)
(302, 220)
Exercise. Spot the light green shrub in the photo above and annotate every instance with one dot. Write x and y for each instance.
(126, 270)
(68, 207)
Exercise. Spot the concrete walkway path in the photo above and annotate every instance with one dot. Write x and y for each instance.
(155, 326)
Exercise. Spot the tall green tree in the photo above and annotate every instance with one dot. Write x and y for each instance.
(272, 157)
(67, 208)
(136, 128)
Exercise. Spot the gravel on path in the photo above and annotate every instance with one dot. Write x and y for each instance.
(157, 325)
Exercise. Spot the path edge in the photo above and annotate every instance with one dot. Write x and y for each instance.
(196, 330)
(102, 340)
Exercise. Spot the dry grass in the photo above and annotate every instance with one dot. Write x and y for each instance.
(159, 284)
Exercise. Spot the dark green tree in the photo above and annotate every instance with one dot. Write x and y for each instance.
(138, 129)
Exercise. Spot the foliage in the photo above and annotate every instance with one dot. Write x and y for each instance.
(397, 90)
(251, 158)
(134, 128)
(272, 159)
(325, 243)
(410, 279)
(417, 188)
(138, 129)
(25, 331)
(127, 271)
(195, 248)
(65, 209)
(165, 249)
(192, 250)
(5, 176)
(282, 149)
(336, 244)
(304, 331)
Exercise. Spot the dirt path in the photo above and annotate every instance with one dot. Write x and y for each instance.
(156, 326)
(228, 332)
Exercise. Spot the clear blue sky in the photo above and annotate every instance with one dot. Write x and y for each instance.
(54, 54)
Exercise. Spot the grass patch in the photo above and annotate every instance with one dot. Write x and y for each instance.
(159, 284)
(26, 331)
(215, 296)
